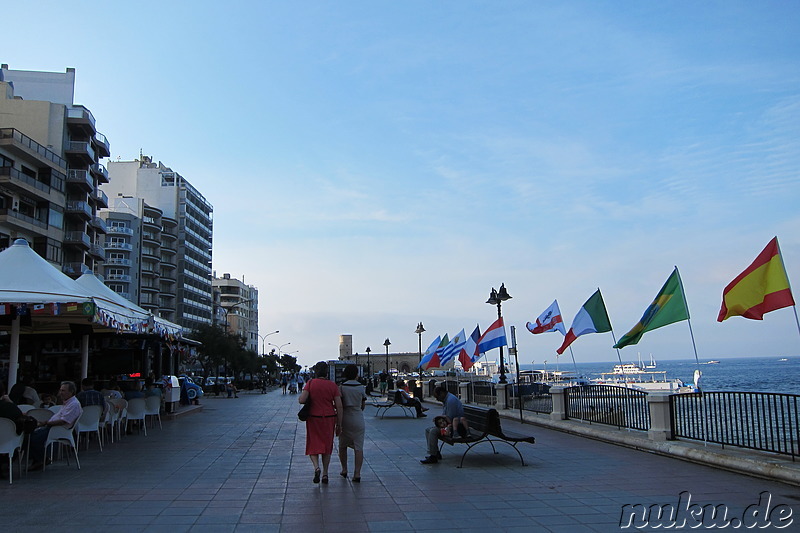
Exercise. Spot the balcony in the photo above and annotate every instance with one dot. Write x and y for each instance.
(118, 261)
(98, 252)
(22, 144)
(82, 119)
(79, 208)
(100, 172)
(103, 148)
(126, 278)
(99, 224)
(75, 269)
(77, 238)
(151, 238)
(14, 178)
(18, 220)
(148, 288)
(81, 151)
(100, 198)
(81, 179)
(119, 230)
(118, 246)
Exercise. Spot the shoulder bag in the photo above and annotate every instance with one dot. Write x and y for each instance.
(305, 411)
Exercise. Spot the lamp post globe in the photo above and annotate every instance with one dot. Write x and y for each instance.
(497, 298)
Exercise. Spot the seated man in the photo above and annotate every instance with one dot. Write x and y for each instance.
(452, 409)
(89, 395)
(408, 400)
(69, 413)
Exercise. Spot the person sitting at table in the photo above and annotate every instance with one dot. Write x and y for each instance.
(23, 392)
(135, 391)
(408, 400)
(89, 396)
(69, 413)
(112, 391)
(150, 389)
(9, 409)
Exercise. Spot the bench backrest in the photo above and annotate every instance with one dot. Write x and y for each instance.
(483, 420)
(398, 398)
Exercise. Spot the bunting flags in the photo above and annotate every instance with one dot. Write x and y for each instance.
(668, 307)
(467, 355)
(494, 337)
(453, 348)
(429, 353)
(761, 288)
(548, 321)
(592, 318)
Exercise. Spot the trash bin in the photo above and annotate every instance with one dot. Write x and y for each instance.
(172, 393)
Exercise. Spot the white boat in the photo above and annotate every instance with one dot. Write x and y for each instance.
(712, 362)
(652, 362)
(635, 377)
(783, 359)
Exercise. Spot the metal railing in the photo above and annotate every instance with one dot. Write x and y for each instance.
(535, 397)
(17, 175)
(608, 404)
(762, 421)
(24, 140)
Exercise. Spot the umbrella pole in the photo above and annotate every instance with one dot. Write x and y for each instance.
(13, 355)
(84, 356)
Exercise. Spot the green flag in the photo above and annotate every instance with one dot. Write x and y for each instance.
(668, 307)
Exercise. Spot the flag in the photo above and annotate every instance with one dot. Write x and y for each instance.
(437, 355)
(761, 288)
(39, 309)
(56, 308)
(592, 318)
(494, 337)
(668, 307)
(429, 353)
(548, 321)
(467, 355)
(5, 309)
(453, 348)
(72, 307)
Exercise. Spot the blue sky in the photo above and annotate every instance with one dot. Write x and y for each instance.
(373, 164)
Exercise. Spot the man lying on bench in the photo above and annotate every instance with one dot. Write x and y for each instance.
(406, 399)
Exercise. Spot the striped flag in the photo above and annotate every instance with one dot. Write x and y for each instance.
(548, 321)
(592, 318)
(492, 338)
(453, 348)
(467, 355)
(761, 288)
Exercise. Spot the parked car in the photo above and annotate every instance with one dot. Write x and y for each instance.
(193, 390)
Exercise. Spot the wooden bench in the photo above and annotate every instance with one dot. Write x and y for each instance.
(395, 399)
(484, 426)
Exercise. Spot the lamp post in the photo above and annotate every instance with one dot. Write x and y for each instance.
(279, 347)
(264, 340)
(419, 331)
(497, 298)
(369, 368)
(387, 343)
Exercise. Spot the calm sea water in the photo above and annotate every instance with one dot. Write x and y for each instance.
(747, 374)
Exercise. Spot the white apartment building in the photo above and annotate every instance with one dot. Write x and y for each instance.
(236, 307)
(175, 201)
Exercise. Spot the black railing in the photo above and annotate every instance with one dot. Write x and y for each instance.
(481, 393)
(534, 397)
(763, 421)
(608, 404)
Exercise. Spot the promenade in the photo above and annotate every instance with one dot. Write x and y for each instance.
(238, 465)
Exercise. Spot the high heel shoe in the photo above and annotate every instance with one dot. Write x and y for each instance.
(325, 479)
(316, 475)
(356, 479)
(343, 474)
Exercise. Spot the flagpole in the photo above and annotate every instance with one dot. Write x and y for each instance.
(614, 338)
(516, 362)
(573, 361)
(788, 281)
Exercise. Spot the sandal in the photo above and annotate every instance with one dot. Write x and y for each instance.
(325, 479)
(316, 475)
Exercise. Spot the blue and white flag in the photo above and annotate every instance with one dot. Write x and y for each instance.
(453, 348)
(467, 355)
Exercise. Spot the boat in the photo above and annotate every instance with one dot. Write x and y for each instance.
(634, 376)
(652, 362)
(782, 359)
(712, 362)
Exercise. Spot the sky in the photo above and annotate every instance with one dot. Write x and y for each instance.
(373, 165)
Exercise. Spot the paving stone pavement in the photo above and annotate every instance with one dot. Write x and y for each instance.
(238, 465)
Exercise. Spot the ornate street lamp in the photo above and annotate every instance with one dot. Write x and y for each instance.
(369, 368)
(419, 331)
(497, 298)
(387, 343)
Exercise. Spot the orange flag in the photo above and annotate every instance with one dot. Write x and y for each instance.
(761, 288)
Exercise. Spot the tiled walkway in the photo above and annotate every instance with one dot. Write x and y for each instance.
(239, 466)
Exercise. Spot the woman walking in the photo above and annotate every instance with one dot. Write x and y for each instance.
(325, 419)
(354, 399)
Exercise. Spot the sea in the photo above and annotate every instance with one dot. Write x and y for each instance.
(743, 374)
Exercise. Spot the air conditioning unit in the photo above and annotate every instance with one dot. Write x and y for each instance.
(15, 203)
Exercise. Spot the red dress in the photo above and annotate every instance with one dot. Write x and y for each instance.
(321, 423)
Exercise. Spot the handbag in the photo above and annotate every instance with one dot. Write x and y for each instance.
(305, 411)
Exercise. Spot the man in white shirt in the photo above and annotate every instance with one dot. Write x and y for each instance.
(69, 413)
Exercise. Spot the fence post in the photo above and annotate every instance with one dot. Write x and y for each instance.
(501, 401)
(559, 403)
(660, 417)
(463, 392)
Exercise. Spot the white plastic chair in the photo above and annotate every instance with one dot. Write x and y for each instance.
(152, 407)
(54, 409)
(89, 422)
(61, 435)
(121, 416)
(25, 407)
(136, 410)
(41, 415)
(10, 442)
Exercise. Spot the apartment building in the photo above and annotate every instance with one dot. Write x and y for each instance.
(175, 228)
(50, 170)
(236, 307)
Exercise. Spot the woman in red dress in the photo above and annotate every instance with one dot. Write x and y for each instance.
(325, 419)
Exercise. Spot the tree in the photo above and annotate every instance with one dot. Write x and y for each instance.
(219, 348)
(289, 363)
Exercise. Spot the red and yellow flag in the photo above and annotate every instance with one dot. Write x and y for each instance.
(761, 288)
